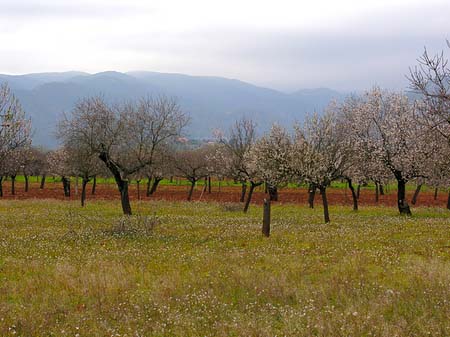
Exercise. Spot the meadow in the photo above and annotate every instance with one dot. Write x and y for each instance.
(204, 269)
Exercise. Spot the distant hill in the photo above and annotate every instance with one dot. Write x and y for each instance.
(212, 102)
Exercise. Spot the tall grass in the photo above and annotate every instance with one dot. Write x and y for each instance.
(203, 269)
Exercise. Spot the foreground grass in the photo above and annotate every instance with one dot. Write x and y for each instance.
(205, 270)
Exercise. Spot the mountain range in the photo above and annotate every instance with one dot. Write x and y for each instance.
(211, 102)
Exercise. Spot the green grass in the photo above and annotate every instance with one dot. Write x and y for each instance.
(205, 270)
(228, 183)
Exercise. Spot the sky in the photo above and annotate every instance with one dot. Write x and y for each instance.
(283, 44)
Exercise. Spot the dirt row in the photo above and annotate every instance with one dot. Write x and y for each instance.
(336, 196)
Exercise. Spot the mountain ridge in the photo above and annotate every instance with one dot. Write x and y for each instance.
(211, 101)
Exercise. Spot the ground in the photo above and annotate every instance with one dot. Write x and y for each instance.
(204, 269)
(339, 194)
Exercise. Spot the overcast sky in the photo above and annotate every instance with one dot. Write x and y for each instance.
(283, 44)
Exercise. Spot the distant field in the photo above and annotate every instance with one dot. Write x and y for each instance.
(205, 270)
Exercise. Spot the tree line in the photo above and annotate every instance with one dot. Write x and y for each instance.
(378, 136)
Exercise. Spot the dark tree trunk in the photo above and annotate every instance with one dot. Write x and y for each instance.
(448, 200)
(138, 187)
(26, 182)
(84, 182)
(435, 193)
(122, 184)
(416, 194)
(1, 186)
(243, 191)
(250, 194)
(66, 186)
(381, 189)
(326, 213)
(94, 185)
(155, 184)
(358, 191)
(171, 179)
(377, 195)
(266, 218)
(311, 195)
(209, 184)
(191, 190)
(42, 182)
(403, 206)
(273, 192)
(13, 185)
(354, 197)
(149, 184)
(124, 197)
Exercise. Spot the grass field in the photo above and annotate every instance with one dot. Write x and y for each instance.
(392, 186)
(205, 270)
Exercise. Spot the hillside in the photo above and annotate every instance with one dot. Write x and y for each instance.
(212, 102)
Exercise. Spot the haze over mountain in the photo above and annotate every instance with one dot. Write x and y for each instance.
(211, 102)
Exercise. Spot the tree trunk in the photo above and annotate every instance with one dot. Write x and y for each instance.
(209, 184)
(381, 189)
(83, 191)
(76, 185)
(205, 187)
(66, 186)
(155, 184)
(191, 190)
(250, 194)
(13, 185)
(273, 192)
(416, 194)
(124, 197)
(403, 206)
(311, 195)
(138, 184)
(377, 195)
(354, 197)
(243, 191)
(42, 182)
(94, 185)
(448, 200)
(435, 193)
(26, 182)
(1, 186)
(266, 218)
(326, 213)
(358, 191)
(122, 184)
(149, 184)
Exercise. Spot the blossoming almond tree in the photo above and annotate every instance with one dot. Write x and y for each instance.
(365, 166)
(387, 128)
(125, 136)
(320, 153)
(15, 128)
(270, 158)
(431, 79)
(58, 164)
(232, 153)
(193, 165)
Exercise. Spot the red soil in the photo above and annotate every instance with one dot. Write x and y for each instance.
(227, 194)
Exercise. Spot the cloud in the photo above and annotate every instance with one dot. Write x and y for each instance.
(29, 9)
(285, 44)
